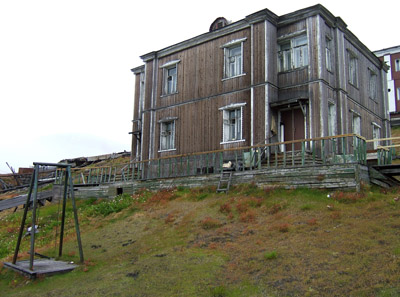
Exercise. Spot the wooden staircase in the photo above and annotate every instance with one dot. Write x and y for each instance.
(224, 181)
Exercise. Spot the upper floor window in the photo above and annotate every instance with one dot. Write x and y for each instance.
(293, 53)
(398, 93)
(372, 84)
(328, 54)
(232, 122)
(170, 77)
(167, 135)
(397, 64)
(353, 69)
(233, 58)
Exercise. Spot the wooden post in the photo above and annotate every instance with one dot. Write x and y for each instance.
(313, 151)
(344, 151)
(293, 162)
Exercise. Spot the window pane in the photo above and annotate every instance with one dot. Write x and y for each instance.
(234, 61)
(167, 135)
(293, 53)
(171, 80)
(232, 125)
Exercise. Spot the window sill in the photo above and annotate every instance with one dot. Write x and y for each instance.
(166, 95)
(232, 141)
(293, 70)
(169, 150)
(239, 75)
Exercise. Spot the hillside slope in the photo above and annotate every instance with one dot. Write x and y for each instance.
(251, 242)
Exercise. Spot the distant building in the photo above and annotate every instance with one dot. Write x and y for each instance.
(392, 58)
(262, 79)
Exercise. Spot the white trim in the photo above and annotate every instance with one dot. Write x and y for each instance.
(233, 141)
(167, 119)
(232, 106)
(291, 35)
(355, 112)
(376, 125)
(170, 63)
(226, 78)
(170, 150)
(233, 42)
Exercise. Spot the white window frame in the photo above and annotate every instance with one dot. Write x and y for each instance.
(167, 136)
(233, 64)
(398, 93)
(293, 53)
(397, 65)
(170, 82)
(353, 68)
(356, 125)
(331, 119)
(376, 134)
(373, 83)
(227, 136)
(328, 53)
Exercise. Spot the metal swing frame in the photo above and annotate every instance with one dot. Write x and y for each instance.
(33, 189)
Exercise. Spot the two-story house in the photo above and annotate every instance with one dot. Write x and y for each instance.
(262, 79)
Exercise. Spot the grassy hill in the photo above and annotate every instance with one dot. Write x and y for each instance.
(250, 242)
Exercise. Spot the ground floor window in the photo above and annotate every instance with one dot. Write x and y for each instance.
(331, 119)
(167, 135)
(376, 134)
(232, 122)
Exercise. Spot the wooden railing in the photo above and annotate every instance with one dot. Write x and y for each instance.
(385, 153)
(348, 148)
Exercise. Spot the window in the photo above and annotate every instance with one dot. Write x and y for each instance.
(376, 134)
(167, 135)
(398, 93)
(170, 77)
(397, 64)
(356, 124)
(372, 84)
(233, 56)
(234, 61)
(232, 122)
(293, 53)
(331, 119)
(353, 73)
(328, 54)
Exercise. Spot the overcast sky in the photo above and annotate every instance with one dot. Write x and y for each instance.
(66, 89)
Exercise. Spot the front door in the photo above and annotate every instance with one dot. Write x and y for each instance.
(292, 127)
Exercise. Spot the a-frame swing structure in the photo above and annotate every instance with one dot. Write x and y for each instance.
(45, 266)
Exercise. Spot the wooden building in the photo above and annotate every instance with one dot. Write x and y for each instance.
(263, 79)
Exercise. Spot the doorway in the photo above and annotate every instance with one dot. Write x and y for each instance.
(292, 127)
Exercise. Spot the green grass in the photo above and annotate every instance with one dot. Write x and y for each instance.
(194, 242)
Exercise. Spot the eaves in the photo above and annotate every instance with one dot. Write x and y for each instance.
(227, 30)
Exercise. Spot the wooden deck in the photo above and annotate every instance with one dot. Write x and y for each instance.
(42, 267)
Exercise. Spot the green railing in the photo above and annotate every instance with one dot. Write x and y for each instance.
(349, 148)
